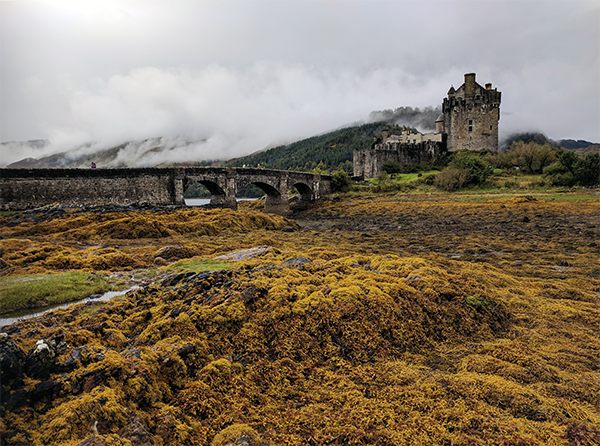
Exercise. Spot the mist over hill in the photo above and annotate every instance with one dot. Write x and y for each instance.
(329, 150)
(422, 120)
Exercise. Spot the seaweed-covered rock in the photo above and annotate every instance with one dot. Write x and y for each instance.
(12, 359)
(136, 431)
(237, 435)
(40, 362)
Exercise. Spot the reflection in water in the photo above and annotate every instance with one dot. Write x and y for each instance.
(35, 312)
(203, 201)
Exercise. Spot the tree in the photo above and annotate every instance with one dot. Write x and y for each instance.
(587, 171)
(531, 157)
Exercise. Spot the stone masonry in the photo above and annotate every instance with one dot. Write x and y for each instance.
(470, 116)
(22, 189)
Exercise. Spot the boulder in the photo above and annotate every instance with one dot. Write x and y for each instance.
(136, 431)
(40, 362)
(12, 359)
(237, 435)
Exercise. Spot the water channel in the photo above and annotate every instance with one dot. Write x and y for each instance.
(28, 313)
(19, 315)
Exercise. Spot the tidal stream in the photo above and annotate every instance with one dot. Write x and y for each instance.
(14, 316)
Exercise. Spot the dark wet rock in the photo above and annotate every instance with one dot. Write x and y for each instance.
(86, 355)
(41, 360)
(296, 262)
(45, 388)
(10, 437)
(137, 432)
(176, 312)
(89, 380)
(175, 279)
(13, 400)
(12, 359)
(186, 350)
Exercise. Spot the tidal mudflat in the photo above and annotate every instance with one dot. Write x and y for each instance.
(401, 319)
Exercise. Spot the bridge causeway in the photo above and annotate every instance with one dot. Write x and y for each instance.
(22, 189)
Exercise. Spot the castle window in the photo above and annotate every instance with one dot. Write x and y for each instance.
(470, 125)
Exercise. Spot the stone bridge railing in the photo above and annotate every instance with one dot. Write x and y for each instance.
(22, 189)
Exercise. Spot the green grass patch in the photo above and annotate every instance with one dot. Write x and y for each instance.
(197, 266)
(409, 177)
(38, 290)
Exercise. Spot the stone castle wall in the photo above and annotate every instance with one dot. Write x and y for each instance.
(369, 163)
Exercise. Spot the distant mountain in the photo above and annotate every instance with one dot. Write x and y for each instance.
(572, 144)
(527, 137)
(594, 148)
(146, 153)
(580, 146)
(329, 151)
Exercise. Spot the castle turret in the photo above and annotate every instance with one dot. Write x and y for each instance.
(439, 124)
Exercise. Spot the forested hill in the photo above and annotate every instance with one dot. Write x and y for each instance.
(330, 151)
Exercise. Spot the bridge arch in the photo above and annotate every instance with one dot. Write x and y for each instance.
(306, 193)
(212, 187)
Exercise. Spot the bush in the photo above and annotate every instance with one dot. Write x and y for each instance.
(571, 170)
(476, 169)
(451, 179)
(340, 181)
(392, 167)
(587, 170)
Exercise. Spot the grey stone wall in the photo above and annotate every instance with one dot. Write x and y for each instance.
(368, 163)
(30, 188)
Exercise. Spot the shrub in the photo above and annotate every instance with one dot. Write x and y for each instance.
(465, 168)
(587, 171)
(450, 179)
(392, 167)
(477, 169)
(340, 181)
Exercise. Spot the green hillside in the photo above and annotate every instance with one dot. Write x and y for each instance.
(329, 151)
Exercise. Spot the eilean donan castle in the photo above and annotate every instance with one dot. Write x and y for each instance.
(469, 120)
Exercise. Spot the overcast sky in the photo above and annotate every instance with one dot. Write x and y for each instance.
(246, 74)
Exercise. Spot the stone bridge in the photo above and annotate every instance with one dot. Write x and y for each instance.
(22, 189)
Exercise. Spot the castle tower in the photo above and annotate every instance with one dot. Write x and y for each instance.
(471, 114)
